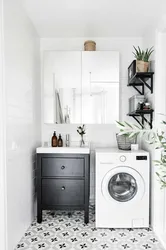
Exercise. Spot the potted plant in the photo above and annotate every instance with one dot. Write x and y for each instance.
(142, 58)
(155, 136)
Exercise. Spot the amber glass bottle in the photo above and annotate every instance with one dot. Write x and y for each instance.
(54, 141)
(60, 141)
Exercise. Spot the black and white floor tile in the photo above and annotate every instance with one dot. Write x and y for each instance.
(62, 231)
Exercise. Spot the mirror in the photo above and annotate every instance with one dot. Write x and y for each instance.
(81, 87)
(68, 105)
(62, 87)
(100, 104)
(100, 87)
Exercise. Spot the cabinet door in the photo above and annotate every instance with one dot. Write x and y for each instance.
(62, 86)
(100, 87)
(100, 66)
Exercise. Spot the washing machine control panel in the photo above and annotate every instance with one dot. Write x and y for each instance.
(122, 158)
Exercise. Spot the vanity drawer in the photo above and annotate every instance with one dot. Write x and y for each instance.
(62, 192)
(62, 166)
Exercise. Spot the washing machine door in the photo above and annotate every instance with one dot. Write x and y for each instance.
(123, 184)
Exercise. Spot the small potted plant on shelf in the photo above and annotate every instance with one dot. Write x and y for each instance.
(142, 58)
(81, 131)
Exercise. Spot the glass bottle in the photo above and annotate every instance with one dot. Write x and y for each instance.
(54, 141)
(60, 141)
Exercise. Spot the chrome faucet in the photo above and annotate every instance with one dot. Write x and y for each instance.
(67, 143)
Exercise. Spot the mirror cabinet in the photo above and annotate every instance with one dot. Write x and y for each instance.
(81, 87)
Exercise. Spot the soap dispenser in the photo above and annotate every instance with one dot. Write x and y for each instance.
(54, 141)
(60, 141)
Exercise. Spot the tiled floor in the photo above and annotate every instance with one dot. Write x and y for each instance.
(61, 231)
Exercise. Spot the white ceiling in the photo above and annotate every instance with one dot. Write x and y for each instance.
(94, 18)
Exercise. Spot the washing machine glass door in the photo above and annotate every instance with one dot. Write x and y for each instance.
(122, 187)
(123, 184)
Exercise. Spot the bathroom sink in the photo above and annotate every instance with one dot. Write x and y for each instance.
(63, 150)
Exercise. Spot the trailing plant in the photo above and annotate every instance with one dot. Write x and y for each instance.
(142, 55)
(156, 136)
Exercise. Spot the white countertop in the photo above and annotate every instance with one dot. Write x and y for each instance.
(63, 150)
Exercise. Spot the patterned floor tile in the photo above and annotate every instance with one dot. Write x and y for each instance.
(61, 230)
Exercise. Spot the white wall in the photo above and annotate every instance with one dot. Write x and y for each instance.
(2, 140)
(22, 79)
(149, 40)
(158, 99)
(160, 107)
(98, 135)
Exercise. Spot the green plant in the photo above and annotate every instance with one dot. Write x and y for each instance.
(142, 55)
(147, 54)
(139, 54)
(155, 136)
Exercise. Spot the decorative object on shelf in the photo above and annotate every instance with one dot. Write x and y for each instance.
(147, 106)
(138, 74)
(131, 70)
(124, 141)
(89, 45)
(81, 131)
(142, 58)
(155, 136)
(139, 107)
(135, 103)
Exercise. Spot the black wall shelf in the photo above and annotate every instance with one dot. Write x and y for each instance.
(141, 79)
(142, 113)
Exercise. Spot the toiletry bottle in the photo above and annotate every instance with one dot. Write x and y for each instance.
(60, 141)
(54, 141)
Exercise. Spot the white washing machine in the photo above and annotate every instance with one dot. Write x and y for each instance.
(122, 188)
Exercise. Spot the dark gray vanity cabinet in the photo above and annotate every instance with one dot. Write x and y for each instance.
(63, 182)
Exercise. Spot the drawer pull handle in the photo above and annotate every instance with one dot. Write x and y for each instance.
(63, 167)
(63, 188)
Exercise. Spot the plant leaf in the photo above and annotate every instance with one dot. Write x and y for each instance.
(128, 125)
(120, 123)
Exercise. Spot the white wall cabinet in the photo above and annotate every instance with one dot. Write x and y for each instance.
(100, 87)
(81, 87)
(62, 86)
(103, 66)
